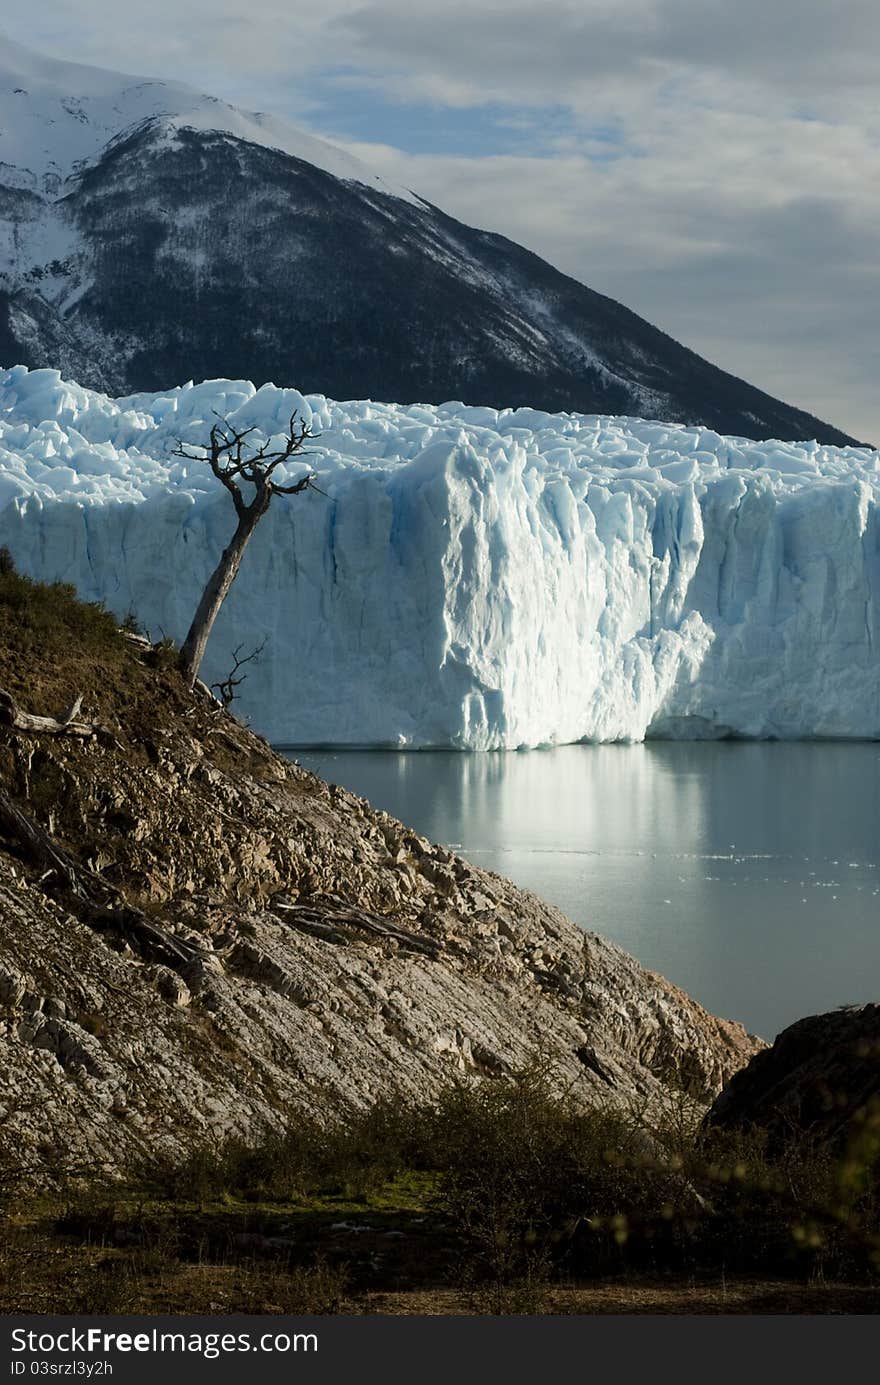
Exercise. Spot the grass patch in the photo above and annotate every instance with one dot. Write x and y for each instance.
(54, 646)
(47, 619)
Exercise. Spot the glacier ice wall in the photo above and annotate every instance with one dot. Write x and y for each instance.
(472, 577)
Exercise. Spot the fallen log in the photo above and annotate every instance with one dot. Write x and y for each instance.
(37, 843)
(154, 943)
(99, 903)
(324, 914)
(67, 724)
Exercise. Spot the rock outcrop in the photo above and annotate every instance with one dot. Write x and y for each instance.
(250, 941)
(819, 1081)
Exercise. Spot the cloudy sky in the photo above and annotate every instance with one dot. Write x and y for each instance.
(713, 165)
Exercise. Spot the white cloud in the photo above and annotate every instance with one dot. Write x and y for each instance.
(586, 52)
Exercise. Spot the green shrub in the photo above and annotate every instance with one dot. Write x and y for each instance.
(165, 655)
(527, 1176)
(348, 1157)
(799, 1205)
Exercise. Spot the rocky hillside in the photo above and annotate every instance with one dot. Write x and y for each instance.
(149, 234)
(199, 937)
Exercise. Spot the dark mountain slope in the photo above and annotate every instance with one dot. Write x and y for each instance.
(195, 254)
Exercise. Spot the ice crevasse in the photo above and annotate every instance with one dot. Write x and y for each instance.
(471, 577)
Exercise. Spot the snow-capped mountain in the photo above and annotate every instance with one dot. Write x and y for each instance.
(470, 577)
(57, 118)
(149, 234)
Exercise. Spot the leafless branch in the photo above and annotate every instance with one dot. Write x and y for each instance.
(227, 687)
(226, 456)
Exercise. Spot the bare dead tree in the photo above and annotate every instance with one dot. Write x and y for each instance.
(233, 461)
(226, 687)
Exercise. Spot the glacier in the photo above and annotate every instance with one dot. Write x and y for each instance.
(471, 577)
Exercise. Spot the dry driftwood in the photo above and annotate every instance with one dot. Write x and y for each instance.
(68, 724)
(154, 943)
(321, 916)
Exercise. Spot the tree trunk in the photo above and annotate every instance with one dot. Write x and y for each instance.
(215, 594)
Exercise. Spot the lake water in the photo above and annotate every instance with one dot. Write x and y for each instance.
(749, 874)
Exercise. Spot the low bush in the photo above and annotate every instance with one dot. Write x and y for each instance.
(513, 1187)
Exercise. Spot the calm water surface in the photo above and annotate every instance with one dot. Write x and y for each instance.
(747, 873)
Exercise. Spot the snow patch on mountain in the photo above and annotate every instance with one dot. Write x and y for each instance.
(56, 118)
(473, 577)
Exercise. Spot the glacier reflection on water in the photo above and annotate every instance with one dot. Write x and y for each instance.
(748, 873)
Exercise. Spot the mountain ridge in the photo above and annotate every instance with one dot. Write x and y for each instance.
(205, 242)
(103, 105)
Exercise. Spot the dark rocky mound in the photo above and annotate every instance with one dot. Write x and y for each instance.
(819, 1081)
